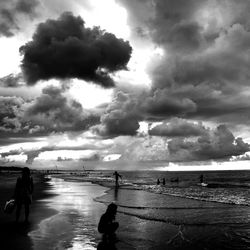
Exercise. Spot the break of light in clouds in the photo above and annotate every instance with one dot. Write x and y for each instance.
(102, 81)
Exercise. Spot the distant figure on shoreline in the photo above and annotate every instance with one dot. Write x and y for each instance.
(201, 178)
(116, 178)
(163, 181)
(23, 193)
(107, 224)
(158, 182)
(174, 179)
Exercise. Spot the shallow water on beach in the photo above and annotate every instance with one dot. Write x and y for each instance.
(205, 225)
(231, 187)
(74, 226)
(180, 215)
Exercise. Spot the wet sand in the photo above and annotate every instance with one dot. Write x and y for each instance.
(74, 226)
(15, 236)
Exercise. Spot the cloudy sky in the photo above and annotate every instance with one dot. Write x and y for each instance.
(125, 81)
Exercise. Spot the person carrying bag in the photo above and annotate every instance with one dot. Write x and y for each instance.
(23, 193)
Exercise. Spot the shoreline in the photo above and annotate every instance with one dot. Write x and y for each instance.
(139, 230)
(111, 185)
(66, 211)
(129, 234)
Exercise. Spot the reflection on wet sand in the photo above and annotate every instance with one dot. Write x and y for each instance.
(74, 226)
(116, 191)
(106, 245)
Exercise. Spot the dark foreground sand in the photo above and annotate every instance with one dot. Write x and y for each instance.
(15, 236)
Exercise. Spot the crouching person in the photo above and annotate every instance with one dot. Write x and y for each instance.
(107, 224)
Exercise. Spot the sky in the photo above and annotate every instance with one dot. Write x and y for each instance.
(125, 81)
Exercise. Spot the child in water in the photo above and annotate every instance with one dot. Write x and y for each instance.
(107, 225)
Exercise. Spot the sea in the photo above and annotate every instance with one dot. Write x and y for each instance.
(229, 187)
(215, 215)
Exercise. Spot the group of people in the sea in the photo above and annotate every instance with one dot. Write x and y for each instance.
(159, 182)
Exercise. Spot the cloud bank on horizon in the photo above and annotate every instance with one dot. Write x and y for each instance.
(195, 109)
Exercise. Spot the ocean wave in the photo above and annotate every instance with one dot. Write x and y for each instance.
(228, 185)
(178, 222)
(202, 194)
(166, 208)
(238, 194)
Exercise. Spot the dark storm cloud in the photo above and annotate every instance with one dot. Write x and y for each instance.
(65, 48)
(130, 105)
(10, 10)
(173, 25)
(10, 114)
(177, 127)
(12, 80)
(215, 144)
(12, 122)
(9, 106)
(206, 60)
(218, 102)
(162, 104)
(53, 111)
(26, 6)
(121, 117)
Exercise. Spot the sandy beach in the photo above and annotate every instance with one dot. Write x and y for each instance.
(65, 214)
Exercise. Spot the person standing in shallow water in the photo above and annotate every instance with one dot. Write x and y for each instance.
(201, 178)
(116, 178)
(23, 193)
(163, 181)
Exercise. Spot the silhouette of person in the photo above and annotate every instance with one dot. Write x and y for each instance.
(174, 179)
(107, 224)
(158, 181)
(201, 178)
(23, 193)
(163, 181)
(116, 178)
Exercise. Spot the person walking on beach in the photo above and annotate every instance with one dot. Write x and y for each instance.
(23, 193)
(158, 182)
(107, 224)
(163, 181)
(116, 178)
